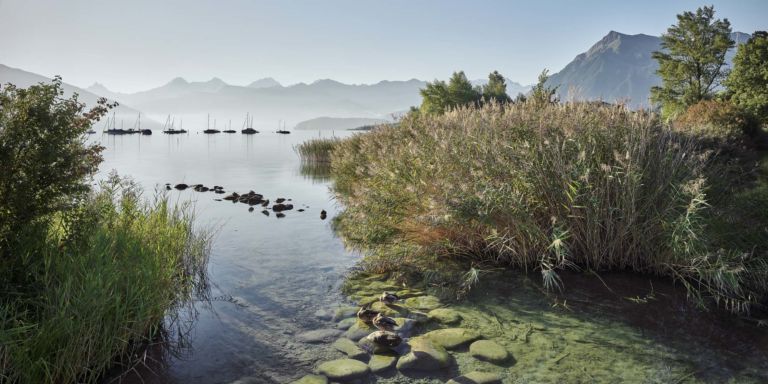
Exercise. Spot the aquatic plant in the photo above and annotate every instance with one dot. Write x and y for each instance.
(107, 280)
(317, 150)
(551, 187)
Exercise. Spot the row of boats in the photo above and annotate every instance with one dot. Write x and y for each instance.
(170, 127)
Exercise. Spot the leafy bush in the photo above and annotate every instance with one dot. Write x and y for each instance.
(45, 166)
(98, 301)
(716, 120)
(549, 187)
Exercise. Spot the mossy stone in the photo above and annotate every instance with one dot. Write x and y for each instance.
(346, 323)
(342, 312)
(426, 303)
(389, 310)
(477, 377)
(424, 356)
(343, 369)
(445, 315)
(358, 330)
(319, 336)
(486, 350)
(452, 338)
(312, 379)
(380, 363)
(349, 348)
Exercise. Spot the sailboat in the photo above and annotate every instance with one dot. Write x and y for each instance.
(248, 126)
(137, 127)
(169, 129)
(282, 131)
(111, 128)
(208, 129)
(229, 129)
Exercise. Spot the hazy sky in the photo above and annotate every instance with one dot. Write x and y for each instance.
(137, 44)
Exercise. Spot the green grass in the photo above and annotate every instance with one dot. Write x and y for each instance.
(102, 283)
(547, 188)
(317, 150)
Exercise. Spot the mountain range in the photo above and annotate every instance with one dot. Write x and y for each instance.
(619, 67)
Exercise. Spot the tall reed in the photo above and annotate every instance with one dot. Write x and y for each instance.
(553, 187)
(107, 280)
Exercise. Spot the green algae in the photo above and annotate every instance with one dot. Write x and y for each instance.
(549, 342)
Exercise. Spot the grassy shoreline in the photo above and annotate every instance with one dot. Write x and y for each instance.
(554, 187)
(96, 302)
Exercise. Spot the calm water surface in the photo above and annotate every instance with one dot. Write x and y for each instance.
(273, 278)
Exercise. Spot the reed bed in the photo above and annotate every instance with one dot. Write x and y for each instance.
(104, 281)
(548, 188)
(317, 151)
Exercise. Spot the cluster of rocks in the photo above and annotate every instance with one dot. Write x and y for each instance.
(373, 349)
(251, 198)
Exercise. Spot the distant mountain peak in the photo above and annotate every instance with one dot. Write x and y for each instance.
(216, 80)
(98, 89)
(266, 82)
(178, 81)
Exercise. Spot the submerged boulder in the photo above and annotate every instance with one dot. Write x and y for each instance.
(344, 369)
(477, 377)
(380, 363)
(490, 351)
(312, 379)
(426, 303)
(424, 356)
(319, 335)
(349, 348)
(452, 338)
(445, 315)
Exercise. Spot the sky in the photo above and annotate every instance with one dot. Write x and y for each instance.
(138, 44)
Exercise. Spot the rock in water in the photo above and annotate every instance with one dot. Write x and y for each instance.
(343, 369)
(181, 186)
(380, 363)
(424, 356)
(477, 377)
(426, 303)
(452, 338)
(319, 336)
(312, 379)
(444, 315)
(490, 351)
(349, 348)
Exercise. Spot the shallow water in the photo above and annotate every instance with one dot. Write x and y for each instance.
(277, 278)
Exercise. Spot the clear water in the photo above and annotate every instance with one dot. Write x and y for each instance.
(273, 277)
(276, 278)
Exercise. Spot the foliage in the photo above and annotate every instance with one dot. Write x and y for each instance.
(549, 187)
(106, 296)
(317, 150)
(748, 81)
(542, 94)
(89, 278)
(716, 120)
(439, 97)
(691, 64)
(496, 89)
(45, 166)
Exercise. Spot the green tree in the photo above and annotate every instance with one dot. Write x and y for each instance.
(496, 89)
(692, 62)
(439, 97)
(45, 164)
(748, 82)
(541, 93)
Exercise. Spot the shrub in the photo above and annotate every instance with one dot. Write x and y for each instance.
(548, 187)
(100, 300)
(716, 120)
(45, 166)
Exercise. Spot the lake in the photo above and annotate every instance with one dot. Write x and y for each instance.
(275, 278)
